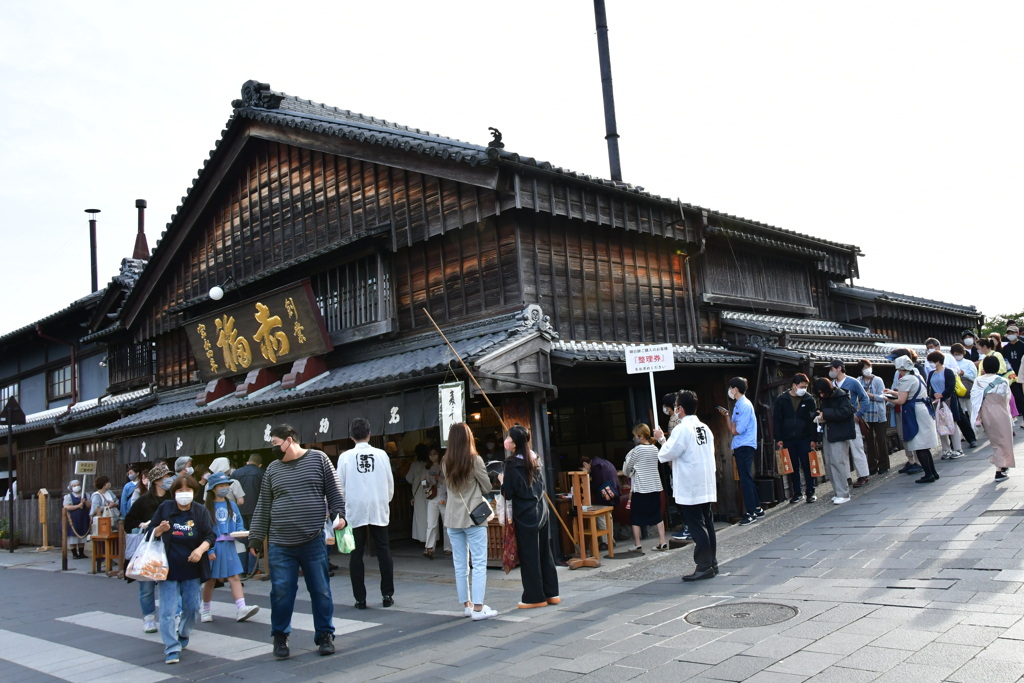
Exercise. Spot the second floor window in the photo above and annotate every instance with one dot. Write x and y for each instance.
(354, 294)
(9, 391)
(59, 383)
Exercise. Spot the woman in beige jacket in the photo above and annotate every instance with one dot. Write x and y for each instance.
(468, 485)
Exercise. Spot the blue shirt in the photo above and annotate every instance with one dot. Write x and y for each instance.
(874, 409)
(745, 423)
(126, 497)
(858, 397)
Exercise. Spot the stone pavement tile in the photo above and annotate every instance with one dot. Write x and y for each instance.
(812, 629)
(576, 648)
(520, 651)
(773, 677)
(1003, 649)
(715, 652)
(777, 647)
(935, 620)
(651, 658)
(839, 674)
(464, 656)
(588, 662)
(693, 638)
(1016, 630)
(805, 663)
(986, 618)
(845, 613)
(618, 632)
(543, 664)
(971, 635)
(670, 629)
(989, 671)
(672, 672)
(905, 639)
(1010, 575)
(613, 673)
(944, 655)
(634, 643)
(869, 626)
(840, 643)
(368, 672)
(872, 658)
(738, 668)
(914, 673)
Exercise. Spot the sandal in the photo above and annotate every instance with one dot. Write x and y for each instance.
(663, 546)
(637, 549)
(428, 553)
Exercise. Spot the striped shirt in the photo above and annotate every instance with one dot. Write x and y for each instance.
(296, 499)
(642, 464)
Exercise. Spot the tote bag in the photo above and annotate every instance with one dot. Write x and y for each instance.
(149, 562)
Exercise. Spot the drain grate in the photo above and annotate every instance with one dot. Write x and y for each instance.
(741, 615)
(1002, 513)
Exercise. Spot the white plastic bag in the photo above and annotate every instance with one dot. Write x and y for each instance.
(149, 562)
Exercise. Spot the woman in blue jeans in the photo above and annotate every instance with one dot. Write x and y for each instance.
(468, 484)
(188, 533)
(155, 485)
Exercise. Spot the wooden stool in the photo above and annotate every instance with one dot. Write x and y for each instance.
(106, 548)
(590, 514)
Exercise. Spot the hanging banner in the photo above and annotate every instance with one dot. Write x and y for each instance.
(279, 327)
(452, 407)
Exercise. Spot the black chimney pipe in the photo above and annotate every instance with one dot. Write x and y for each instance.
(141, 251)
(611, 133)
(92, 248)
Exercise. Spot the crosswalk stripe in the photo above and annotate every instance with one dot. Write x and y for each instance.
(202, 641)
(69, 663)
(300, 621)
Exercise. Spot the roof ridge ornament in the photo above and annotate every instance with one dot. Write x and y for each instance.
(533, 317)
(256, 94)
(495, 142)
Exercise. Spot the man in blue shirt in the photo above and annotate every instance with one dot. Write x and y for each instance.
(743, 427)
(861, 403)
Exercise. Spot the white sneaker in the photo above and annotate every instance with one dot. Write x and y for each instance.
(469, 612)
(840, 501)
(245, 612)
(205, 615)
(956, 455)
(149, 624)
(485, 613)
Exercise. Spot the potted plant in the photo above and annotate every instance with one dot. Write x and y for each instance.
(5, 536)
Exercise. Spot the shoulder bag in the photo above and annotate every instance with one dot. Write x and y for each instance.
(482, 513)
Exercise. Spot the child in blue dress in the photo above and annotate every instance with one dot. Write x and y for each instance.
(224, 562)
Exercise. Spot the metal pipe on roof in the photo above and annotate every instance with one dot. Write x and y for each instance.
(92, 248)
(611, 132)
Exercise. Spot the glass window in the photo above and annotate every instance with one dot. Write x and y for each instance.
(59, 384)
(9, 391)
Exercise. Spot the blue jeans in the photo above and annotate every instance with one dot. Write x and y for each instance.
(147, 597)
(744, 456)
(285, 561)
(170, 593)
(476, 538)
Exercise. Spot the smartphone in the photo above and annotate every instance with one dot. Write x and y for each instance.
(721, 409)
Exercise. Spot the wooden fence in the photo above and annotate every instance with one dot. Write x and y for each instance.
(26, 516)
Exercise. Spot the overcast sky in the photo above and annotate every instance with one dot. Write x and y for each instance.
(891, 125)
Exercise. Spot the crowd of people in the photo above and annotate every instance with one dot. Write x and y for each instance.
(298, 503)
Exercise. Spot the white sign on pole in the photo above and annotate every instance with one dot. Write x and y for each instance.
(85, 467)
(452, 405)
(649, 359)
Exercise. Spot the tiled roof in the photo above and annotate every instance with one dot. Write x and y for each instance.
(73, 307)
(762, 241)
(614, 352)
(416, 357)
(848, 352)
(868, 294)
(777, 324)
(89, 408)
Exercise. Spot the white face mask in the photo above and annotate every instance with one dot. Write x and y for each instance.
(867, 372)
(183, 498)
(732, 394)
(76, 489)
(222, 491)
(190, 471)
(833, 373)
(1011, 338)
(801, 392)
(959, 358)
(968, 342)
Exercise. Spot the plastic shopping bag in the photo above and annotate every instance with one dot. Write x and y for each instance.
(345, 540)
(149, 562)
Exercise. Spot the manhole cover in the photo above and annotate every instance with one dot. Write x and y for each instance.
(741, 615)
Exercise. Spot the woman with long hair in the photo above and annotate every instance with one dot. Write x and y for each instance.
(468, 484)
(522, 483)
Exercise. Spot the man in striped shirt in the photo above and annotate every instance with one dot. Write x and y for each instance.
(299, 493)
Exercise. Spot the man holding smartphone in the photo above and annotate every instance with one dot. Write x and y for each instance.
(743, 427)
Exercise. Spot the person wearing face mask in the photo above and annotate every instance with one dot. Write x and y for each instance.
(874, 415)
(126, 493)
(668, 408)
(860, 401)
(224, 562)
(183, 466)
(103, 502)
(1013, 353)
(835, 414)
(645, 490)
(968, 373)
(137, 521)
(417, 477)
(967, 338)
(78, 517)
(794, 429)
(187, 531)
(743, 427)
(919, 435)
(941, 388)
(990, 347)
